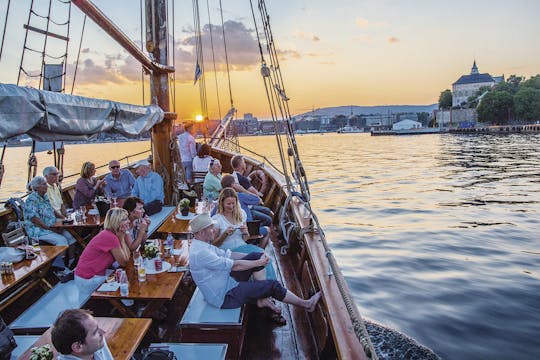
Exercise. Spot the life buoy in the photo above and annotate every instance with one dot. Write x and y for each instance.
(259, 180)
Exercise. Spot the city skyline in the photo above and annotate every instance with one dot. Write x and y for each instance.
(366, 53)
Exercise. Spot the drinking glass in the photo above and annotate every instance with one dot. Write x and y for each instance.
(83, 213)
(35, 244)
(137, 258)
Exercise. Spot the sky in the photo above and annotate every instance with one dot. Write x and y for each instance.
(331, 53)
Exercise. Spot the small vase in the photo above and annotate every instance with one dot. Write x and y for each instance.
(184, 211)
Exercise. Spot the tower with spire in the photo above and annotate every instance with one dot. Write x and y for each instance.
(467, 85)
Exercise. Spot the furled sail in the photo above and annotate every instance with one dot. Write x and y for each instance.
(52, 116)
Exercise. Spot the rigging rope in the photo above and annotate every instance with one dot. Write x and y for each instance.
(278, 102)
(142, 49)
(226, 54)
(78, 55)
(4, 34)
(213, 59)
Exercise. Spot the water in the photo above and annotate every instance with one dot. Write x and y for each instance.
(435, 234)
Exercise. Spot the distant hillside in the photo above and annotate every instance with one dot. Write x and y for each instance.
(366, 110)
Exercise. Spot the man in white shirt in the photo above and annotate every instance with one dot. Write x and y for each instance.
(223, 276)
(187, 148)
(77, 335)
(53, 191)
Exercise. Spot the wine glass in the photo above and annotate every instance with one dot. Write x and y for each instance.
(114, 197)
(83, 213)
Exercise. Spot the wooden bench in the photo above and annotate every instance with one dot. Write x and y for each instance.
(159, 218)
(204, 323)
(190, 351)
(42, 314)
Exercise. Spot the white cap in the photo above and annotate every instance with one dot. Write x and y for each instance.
(141, 163)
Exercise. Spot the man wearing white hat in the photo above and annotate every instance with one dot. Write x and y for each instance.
(148, 187)
(223, 276)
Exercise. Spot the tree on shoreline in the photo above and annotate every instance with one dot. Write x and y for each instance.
(513, 99)
(445, 100)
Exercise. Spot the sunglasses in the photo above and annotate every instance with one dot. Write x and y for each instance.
(115, 167)
(212, 162)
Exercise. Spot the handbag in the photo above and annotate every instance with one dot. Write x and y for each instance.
(157, 354)
(7, 341)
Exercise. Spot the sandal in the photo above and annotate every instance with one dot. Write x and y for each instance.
(278, 319)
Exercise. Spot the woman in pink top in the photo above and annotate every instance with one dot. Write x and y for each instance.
(103, 250)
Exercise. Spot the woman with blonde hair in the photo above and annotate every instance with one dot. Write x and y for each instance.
(107, 247)
(87, 187)
(232, 232)
(231, 221)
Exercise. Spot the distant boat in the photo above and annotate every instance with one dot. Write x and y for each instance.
(347, 129)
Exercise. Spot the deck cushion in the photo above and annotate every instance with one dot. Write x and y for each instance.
(42, 314)
(159, 218)
(190, 351)
(23, 343)
(204, 323)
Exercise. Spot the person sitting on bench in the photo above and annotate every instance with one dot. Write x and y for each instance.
(77, 335)
(223, 276)
(148, 187)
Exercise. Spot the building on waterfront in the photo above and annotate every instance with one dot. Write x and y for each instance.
(468, 85)
(248, 125)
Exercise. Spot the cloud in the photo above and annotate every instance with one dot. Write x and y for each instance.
(365, 23)
(242, 47)
(392, 39)
(302, 35)
(361, 22)
(89, 72)
(364, 38)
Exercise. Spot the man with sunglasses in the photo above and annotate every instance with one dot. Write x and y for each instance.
(119, 182)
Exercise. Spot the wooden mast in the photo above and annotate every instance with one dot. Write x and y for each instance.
(157, 45)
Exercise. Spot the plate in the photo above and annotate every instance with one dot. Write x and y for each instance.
(151, 270)
(93, 212)
(189, 216)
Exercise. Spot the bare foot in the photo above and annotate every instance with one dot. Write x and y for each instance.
(313, 302)
(266, 302)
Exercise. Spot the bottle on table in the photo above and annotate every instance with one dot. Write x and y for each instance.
(124, 284)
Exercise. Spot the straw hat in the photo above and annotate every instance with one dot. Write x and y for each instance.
(200, 222)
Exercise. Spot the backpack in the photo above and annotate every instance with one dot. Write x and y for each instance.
(157, 354)
(7, 341)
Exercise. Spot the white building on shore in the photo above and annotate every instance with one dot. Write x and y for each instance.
(468, 85)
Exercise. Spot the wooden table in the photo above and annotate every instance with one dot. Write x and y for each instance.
(92, 223)
(123, 336)
(27, 274)
(156, 290)
(174, 225)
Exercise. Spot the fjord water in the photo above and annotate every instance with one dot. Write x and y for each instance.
(437, 235)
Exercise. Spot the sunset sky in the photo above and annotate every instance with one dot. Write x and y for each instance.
(332, 53)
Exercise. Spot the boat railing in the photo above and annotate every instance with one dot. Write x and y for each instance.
(265, 160)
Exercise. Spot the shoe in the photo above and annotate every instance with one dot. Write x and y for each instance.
(278, 319)
(65, 276)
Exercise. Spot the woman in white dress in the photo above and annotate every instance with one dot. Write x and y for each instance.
(230, 220)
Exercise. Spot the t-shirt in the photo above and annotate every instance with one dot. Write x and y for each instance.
(55, 198)
(97, 256)
(232, 241)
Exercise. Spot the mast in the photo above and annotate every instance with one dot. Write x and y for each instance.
(157, 44)
(157, 66)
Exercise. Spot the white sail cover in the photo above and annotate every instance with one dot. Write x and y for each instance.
(52, 116)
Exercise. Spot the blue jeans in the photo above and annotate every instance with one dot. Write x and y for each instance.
(188, 169)
(261, 213)
(250, 291)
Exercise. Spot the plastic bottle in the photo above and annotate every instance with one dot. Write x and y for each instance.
(169, 241)
(124, 284)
